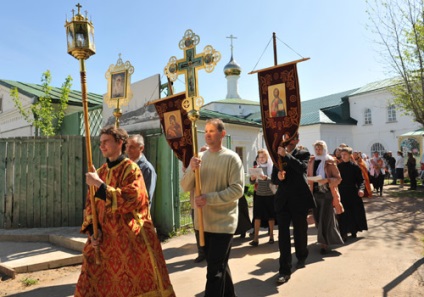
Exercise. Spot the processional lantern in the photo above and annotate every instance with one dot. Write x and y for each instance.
(80, 36)
(80, 41)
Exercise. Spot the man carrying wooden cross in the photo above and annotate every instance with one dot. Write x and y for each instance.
(222, 179)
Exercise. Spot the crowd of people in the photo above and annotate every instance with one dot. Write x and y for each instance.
(328, 187)
(331, 187)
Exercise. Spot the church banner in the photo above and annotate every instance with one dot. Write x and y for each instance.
(176, 126)
(280, 105)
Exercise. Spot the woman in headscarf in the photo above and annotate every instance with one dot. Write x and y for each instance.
(323, 167)
(263, 208)
(357, 156)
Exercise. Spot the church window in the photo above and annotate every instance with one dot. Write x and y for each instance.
(240, 152)
(377, 147)
(391, 113)
(367, 117)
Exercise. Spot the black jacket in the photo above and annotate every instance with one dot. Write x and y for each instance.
(293, 193)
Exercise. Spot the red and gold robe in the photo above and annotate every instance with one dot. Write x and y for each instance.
(132, 262)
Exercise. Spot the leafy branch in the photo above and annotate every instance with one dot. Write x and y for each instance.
(46, 115)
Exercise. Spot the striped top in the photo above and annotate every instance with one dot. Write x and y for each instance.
(263, 185)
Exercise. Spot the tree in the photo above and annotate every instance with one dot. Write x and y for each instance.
(399, 25)
(42, 113)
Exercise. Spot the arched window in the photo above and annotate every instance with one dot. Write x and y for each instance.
(367, 117)
(377, 147)
(391, 113)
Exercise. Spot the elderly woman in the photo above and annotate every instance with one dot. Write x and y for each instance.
(323, 179)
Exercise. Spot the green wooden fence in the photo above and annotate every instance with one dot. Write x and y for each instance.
(42, 181)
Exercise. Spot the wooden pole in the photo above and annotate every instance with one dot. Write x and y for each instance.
(193, 115)
(89, 154)
(275, 48)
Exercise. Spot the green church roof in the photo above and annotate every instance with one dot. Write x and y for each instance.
(235, 101)
(206, 114)
(329, 109)
(375, 86)
(32, 90)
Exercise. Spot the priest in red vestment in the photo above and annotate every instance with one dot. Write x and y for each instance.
(131, 258)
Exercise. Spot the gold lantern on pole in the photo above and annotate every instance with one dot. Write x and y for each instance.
(80, 40)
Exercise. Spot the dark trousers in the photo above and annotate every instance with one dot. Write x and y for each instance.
(218, 278)
(300, 234)
(413, 182)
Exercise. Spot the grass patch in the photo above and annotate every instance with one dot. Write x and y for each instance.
(27, 282)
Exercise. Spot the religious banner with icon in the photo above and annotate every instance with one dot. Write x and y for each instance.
(176, 126)
(280, 105)
(119, 83)
(119, 86)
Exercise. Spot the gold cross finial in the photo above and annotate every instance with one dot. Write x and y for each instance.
(189, 66)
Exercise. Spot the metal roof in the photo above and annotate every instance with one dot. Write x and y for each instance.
(419, 132)
(32, 90)
(377, 85)
(206, 114)
(234, 101)
(325, 110)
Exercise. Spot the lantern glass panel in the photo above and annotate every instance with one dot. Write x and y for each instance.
(70, 37)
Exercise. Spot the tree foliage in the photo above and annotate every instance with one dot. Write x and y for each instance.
(399, 25)
(43, 113)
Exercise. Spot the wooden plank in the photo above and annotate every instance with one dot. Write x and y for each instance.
(80, 185)
(98, 158)
(37, 183)
(64, 189)
(23, 184)
(30, 182)
(151, 145)
(50, 180)
(57, 177)
(3, 144)
(43, 180)
(73, 146)
(17, 203)
(9, 183)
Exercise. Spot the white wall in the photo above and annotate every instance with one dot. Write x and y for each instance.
(12, 123)
(380, 131)
(333, 135)
(241, 136)
(240, 110)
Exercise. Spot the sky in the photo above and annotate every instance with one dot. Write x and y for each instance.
(332, 33)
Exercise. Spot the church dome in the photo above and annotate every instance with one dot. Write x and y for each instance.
(232, 68)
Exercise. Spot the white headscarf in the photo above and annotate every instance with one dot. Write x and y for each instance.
(324, 157)
(268, 165)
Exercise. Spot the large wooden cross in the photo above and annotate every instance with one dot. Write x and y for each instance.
(192, 103)
(189, 66)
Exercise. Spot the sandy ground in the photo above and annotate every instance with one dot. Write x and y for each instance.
(387, 260)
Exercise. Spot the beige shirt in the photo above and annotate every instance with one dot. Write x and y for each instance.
(222, 181)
